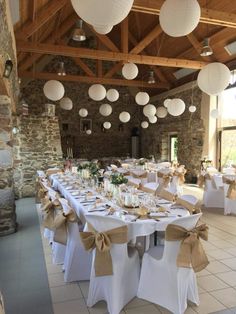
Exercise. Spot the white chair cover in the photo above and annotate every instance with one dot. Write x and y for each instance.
(117, 290)
(77, 262)
(212, 196)
(189, 198)
(165, 284)
(229, 205)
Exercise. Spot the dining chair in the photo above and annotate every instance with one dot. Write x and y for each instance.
(213, 196)
(229, 204)
(121, 287)
(162, 282)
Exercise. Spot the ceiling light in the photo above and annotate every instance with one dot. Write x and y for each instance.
(206, 49)
(151, 78)
(61, 69)
(79, 33)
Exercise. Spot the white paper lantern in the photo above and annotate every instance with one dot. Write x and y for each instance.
(144, 124)
(102, 12)
(105, 110)
(149, 110)
(192, 108)
(176, 107)
(161, 112)
(83, 112)
(107, 125)
(112, 95)
(215, 114)
(66, 103)
(152, 119)
(103, 29)
(142, 98)
(124, 117)
(97, 92)
(213, 78)
(88, 132)
(53, 90)
(129, 71)
(179, 17)
(166, 102)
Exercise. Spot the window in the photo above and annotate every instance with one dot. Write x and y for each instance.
(173, 147)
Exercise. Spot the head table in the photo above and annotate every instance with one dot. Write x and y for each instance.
(86, 201)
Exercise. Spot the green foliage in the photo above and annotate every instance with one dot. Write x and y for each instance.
(91, 166)
(118, 179)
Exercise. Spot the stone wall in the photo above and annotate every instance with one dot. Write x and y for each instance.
(189, 128)
(7, 105)
(37, 146)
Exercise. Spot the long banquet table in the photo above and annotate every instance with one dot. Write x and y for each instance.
(136, 227)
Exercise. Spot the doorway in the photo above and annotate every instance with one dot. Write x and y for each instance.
(173, 145)
(227, 139)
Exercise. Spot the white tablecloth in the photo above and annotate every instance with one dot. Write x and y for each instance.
(136, 228)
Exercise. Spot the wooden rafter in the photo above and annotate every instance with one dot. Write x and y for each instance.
(89, 80)
(99, 63)
(107, 55)
(208, 16)
(147, 39)
(114, 69)
(84, 67)
(45, 15)
(125, 35)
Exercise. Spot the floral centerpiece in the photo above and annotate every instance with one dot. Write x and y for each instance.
(90, 167)
(205, 163)
(142, 161)
(118, 179)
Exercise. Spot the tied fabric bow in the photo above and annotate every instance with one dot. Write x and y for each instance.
(139, 175)
(193, 209)
(165, 177)
(166, 195)
(231, 193)
(191, 251)
(102, 241)
(180, 176)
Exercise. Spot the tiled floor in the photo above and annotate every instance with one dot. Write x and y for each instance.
(217, 283)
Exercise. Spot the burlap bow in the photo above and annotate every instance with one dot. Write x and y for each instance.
(162, 193)
(60, 225)
(165, 177)
(180, 175)
(139, 175)
(191, 252)
(193, 209)
(41, 191)
(231, 193)
(207, 176)
(48, 210)
(102, 241)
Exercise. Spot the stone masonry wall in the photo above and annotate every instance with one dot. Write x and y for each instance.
(37, 147)
(189, 128)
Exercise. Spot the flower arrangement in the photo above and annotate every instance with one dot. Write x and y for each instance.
(205, 163)
(91, 166)
(118, 179)
(142, 161)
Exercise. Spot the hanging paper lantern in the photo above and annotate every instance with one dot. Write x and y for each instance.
(152, 119)
(215, 114)
(103, 29)
(83, 112)
(149, 110)
(166, 102)
(179, 17)
(97, 92)
(88, 132)
(105, 110)
(213, 78)
(130, 71)
(112, 95)
(102, 12)
(66, 103)
(124, 116)
(176, 107)
(161, 112)
(53, 90)
(107, 125)
(142, 98)
(192, 108)
(144, 124)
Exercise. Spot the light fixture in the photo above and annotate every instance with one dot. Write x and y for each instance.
(61, 69)
(15, 130)
(206, 49)
(151, 78)
(79, 33)
(8, 67)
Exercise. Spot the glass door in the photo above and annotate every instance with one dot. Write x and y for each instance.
(227, 137)
(173, 147)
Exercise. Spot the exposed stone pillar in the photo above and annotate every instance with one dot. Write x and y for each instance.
(7, 200)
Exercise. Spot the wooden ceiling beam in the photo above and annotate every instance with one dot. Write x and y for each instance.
(104, 39)
(43, 16)
(66, 25)
(107, 55)
(84, 67)
(157, 30)
(89, 80)
(208, 16)
(125, 35)
(114, 69)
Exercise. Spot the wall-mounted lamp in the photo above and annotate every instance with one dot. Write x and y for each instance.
(15, 130)
(8, 67)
